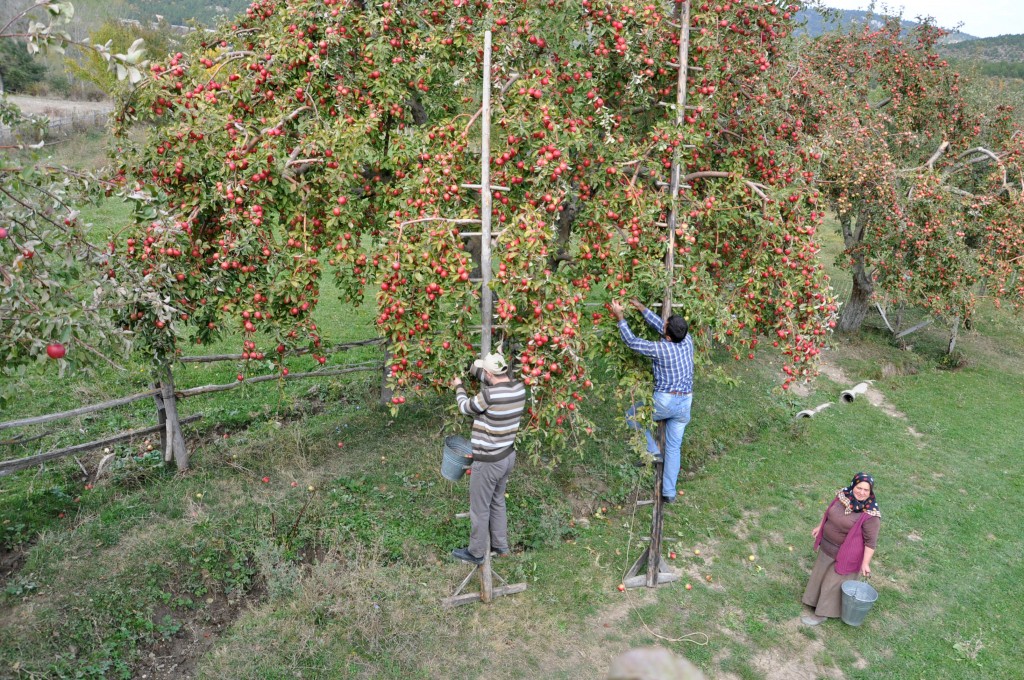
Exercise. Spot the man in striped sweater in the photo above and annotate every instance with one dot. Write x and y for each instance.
(496, 411)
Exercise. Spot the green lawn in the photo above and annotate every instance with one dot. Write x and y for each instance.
(346, 580)
(336, 565)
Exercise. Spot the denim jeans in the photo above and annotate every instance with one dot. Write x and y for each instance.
(674, 410)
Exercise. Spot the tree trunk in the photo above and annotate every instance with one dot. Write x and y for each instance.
(856, 308)
(953, 335)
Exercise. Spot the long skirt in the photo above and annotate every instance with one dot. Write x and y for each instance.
(825, 589)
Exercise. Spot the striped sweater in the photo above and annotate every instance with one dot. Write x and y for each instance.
(496, 412)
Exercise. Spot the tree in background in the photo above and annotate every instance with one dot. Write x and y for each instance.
(56, 294)
(17, 68)
(119, 36)
(923, 181)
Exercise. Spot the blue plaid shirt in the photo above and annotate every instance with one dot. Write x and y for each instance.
(673, 361)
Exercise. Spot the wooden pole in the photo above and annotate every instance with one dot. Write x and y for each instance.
(175, 439)
(161, 421)
(673, 216)
(658, 518)
(486, 312)
(486, 302)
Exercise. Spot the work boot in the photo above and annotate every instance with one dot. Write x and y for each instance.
(466, 556)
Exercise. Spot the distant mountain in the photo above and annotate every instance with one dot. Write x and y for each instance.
(1001, 56)
(817, 23)
(181, 12)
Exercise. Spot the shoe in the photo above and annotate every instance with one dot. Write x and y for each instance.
(668, 499)
(503, 552)
(466, 556)
(812, 620)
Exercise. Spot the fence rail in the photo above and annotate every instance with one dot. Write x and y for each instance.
(166, 399)
(63, 126)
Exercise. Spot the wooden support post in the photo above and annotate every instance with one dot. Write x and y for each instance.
(385, 392)
(486, 575)
(175, 440)
(161, 421)
(486, 303)
(487, 590)
(650, 559)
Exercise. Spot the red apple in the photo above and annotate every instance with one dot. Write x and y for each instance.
(56, 350)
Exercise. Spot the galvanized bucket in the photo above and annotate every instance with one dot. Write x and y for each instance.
(858, 596)
(457, 458)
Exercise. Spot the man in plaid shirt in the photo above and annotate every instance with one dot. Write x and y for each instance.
(673, 382)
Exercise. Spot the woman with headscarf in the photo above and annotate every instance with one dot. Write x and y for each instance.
(845, 541)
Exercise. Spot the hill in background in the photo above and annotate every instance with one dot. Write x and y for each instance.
(1001, 56)
(818, 23)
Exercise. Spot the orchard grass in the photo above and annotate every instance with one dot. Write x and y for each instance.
(349, 583)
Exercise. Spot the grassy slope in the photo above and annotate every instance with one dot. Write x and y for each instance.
(352, 588)
(348, 583)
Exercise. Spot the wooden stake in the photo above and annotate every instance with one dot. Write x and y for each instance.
(485, 205)
(161, 421)
(175, 440)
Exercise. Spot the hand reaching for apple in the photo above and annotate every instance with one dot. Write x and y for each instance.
(456, 382)
(639, 306)
(616, 309)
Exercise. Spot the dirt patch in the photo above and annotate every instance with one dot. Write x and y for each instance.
(742, 526)
(795, 661)
(874, 396)
(177, 656)
(11, 561)
(58, 108)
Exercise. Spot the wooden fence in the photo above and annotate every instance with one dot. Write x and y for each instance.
(166, 398)
(64, 126)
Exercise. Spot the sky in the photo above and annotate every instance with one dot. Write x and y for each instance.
(981, 18)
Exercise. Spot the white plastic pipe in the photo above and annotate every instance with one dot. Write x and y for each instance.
(851, 394)
(809, 413)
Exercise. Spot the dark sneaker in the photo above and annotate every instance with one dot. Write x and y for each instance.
(466, 556)
(668, 499)
(500, 552)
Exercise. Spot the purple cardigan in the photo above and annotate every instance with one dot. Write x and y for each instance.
(851, 552)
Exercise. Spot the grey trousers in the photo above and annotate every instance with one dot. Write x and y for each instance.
(487, 505)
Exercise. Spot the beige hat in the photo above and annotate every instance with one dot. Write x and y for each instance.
(492, 363)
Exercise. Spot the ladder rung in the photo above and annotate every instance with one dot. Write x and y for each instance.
(639, 503)
(478, 187)
(480, 233)
(695, 68)
(667, 104)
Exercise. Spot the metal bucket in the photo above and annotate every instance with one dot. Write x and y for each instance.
(457, 458)
(858, 596)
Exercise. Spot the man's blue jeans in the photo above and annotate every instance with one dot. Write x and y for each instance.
(674, 410)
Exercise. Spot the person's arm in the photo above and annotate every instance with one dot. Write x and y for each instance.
(653, 320)
(638, 345)
(471, 406)
(870, 533)
(865, 565)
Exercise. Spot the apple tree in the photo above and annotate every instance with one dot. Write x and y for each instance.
(337, 137)
(924, 181)
(55, 295)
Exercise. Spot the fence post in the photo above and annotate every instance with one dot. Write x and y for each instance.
(175, 441)
(386, 392)
(161, 420)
